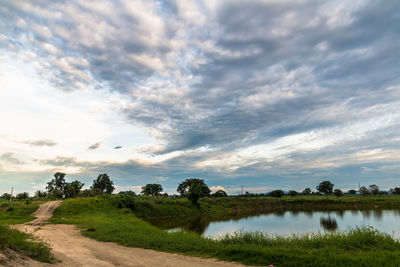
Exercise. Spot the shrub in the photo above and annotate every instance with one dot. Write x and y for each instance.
(124, 201)
(276, 193)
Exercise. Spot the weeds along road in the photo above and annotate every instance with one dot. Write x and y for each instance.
(72, 249)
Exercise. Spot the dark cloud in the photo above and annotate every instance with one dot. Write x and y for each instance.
(41, 142)
(229, 77)
(95, 146)
(9, 158)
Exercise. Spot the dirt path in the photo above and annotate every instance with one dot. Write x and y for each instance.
(73, 249)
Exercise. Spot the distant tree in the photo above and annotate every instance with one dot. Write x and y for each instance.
(165, 195)
(22, 196)
(6, 196)
(292, 193)
(276, 193)
(129, 193)
(88, 193)
(248, 194)
(363, 191)
(325, 187)
(193, 189)
(352, 192)
(58, 183)
(220, 193)
(184, 187)
(306, 191)
(40, 194)
(395, 191)
(73, 189)
(338, 192)
(374, 189)
(152, 189)
(103, 184)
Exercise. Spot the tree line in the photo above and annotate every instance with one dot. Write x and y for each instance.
(191, 188)
(58, 187)
(326, 188)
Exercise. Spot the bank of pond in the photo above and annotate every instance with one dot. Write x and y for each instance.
(289, 231)
(230, 227)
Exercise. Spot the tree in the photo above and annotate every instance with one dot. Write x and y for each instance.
(325, 187)
(129, 193)
(363, 191)
(276, 193)
(22, 196)
(220, 193)
(152, 189)
(352, 192)
(40, 194)
(292, 193)
(6, 196)
(103, 184)
(73, 189)
(87, 193)
(57, 183)
(395, 191)
(338, 192)
(306, 191)
(184, 187)
(193, 189)
(374, 189)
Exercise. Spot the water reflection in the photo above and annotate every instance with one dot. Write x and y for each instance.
(328, 223)
(378, 214)
(284, 222)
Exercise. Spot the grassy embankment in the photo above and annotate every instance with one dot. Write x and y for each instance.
(117, 220)
(17, 212)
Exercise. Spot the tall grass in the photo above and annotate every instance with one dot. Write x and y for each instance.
(16, 212)
(22, 243)
(107, 219)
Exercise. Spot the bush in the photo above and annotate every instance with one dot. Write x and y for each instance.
(124, 201)
(276, 193)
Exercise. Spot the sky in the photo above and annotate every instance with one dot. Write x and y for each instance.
(261, 94)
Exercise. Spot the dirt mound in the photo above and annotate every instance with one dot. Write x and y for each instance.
(44, 212)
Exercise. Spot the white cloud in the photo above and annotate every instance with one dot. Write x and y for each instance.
(217, 188)
(37, 111)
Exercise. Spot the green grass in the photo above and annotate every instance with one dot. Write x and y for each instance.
(23, 243)
(108, 219)
(17, 212)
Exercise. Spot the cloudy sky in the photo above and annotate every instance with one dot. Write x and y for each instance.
(261, 94)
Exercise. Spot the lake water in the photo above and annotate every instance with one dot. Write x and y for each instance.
(287, 223)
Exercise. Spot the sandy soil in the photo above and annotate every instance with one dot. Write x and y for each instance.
(73, 249)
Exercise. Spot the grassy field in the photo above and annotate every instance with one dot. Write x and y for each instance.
(118, 219)
(17, 212)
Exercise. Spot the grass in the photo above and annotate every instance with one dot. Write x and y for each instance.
(23, 243)
(116, 219)
(18, 212)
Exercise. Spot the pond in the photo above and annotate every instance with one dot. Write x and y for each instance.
(285, 223)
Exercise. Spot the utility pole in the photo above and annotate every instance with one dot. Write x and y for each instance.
(12, 190)
(242, 189)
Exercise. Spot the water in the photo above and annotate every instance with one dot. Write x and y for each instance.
(287, 223)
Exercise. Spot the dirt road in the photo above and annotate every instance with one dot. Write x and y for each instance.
(73, 249)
